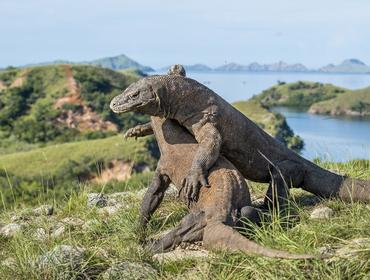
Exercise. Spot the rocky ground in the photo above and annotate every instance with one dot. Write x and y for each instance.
(93, 237)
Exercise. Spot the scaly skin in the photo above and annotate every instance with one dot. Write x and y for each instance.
(212, 217)
(221, 129)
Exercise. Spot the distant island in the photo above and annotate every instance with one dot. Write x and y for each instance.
(119, 62)
(317, 98)
(123, 62)
(348, 66)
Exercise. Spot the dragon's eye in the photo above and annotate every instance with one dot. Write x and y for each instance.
(135, 95)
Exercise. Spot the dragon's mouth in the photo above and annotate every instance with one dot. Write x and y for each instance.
(127, 107)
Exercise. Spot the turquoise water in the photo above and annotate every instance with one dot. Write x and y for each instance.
(336, 139)
(242, 86)
(333, 138)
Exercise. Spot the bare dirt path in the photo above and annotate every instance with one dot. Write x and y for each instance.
(83, 119)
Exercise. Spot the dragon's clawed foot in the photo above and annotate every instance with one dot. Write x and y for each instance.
(192, 184)
(132, 132)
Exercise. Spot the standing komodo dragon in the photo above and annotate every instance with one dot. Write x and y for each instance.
(220, 128)
(218, 208)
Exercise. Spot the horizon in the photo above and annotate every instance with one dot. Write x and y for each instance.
(196, 63)
(160, 33)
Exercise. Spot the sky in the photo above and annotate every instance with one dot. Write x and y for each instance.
(159, 33)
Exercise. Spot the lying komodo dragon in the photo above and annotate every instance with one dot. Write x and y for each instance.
(212, 217)
(219, 128)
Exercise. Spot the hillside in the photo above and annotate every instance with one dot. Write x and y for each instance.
(351, 103)
(53, 172)
(118, 62)
(61, 103)
(317, 98)
(298, 94)
(274, 123)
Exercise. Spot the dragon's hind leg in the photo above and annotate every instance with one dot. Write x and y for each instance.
(189, 230)
(251, 215)
(284, 175)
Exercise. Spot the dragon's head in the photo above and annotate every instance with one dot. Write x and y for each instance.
(138, 97)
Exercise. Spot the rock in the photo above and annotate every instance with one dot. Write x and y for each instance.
(110, 210)
(96, 200)
(90, 224)
(171, 192)
(322, 213)
(195, 246)
(11, 230)
(130, 271)
(63, 258)
(118, 196)
(62, 226)
(9, 262)
(19, 218)
(74, 222)
(354, 247)
(185, 250)
(257, 202)
(44, 210)
(40, 234)
(326, 250)
(180, 254)
(58, 232)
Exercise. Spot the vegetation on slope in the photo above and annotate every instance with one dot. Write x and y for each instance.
(273, 123)
(61, 103)
(299, 94)
(56, 170)
(353, 103)
(119, 62)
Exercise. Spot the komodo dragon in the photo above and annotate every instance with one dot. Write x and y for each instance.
(212, 217)
(220, 128)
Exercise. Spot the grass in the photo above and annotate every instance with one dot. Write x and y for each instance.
(49, 160)
(274, 123)
(355, 102)
(117, 237)
(317, 98)
(298, 94)
(55, 171)
(28, 112)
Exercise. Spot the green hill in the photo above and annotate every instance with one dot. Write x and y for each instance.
(61, 103)
(119, 62)
(317, 98)
(275, 124)
(54, 171)
(298, 94)
(352, 103)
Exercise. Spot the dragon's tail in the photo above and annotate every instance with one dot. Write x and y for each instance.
(221, 236)
(354, 190)
(327, 184)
